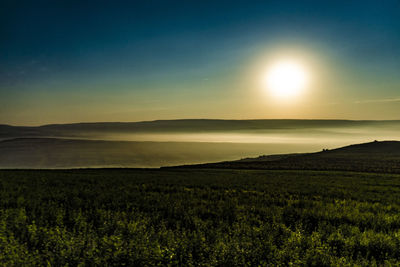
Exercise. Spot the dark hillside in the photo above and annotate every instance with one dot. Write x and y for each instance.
(371, 157)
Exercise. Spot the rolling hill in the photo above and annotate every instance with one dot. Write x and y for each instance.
(370, 157)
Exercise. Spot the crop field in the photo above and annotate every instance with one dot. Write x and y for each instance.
(190, 217)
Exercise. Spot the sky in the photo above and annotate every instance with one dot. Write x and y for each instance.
(91, 61)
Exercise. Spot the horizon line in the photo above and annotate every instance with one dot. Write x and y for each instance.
(198, 119)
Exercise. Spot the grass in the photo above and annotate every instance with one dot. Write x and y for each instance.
(199, 217)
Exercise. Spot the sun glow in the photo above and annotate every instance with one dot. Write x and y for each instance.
(286, 79)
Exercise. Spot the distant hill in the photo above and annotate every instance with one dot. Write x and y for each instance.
(371, 157)
(182, 126)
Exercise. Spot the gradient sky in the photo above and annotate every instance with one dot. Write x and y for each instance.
(79, 61)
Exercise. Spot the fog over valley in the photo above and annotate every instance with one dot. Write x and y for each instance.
(176, 142)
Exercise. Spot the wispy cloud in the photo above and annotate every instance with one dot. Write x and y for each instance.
(386, 100)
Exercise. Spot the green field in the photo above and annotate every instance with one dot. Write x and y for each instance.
(198, 217)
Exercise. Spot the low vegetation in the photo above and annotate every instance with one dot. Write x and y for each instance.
(199, 217)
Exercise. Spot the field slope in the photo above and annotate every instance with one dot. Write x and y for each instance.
(208, 215)
(368, 157)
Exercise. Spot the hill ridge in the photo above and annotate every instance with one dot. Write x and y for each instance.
(193, 120)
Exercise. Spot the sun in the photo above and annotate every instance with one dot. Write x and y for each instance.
(286, 79)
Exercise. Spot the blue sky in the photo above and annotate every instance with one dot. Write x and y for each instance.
(71, 61)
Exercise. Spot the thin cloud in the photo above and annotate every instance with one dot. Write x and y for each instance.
(386, 100)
